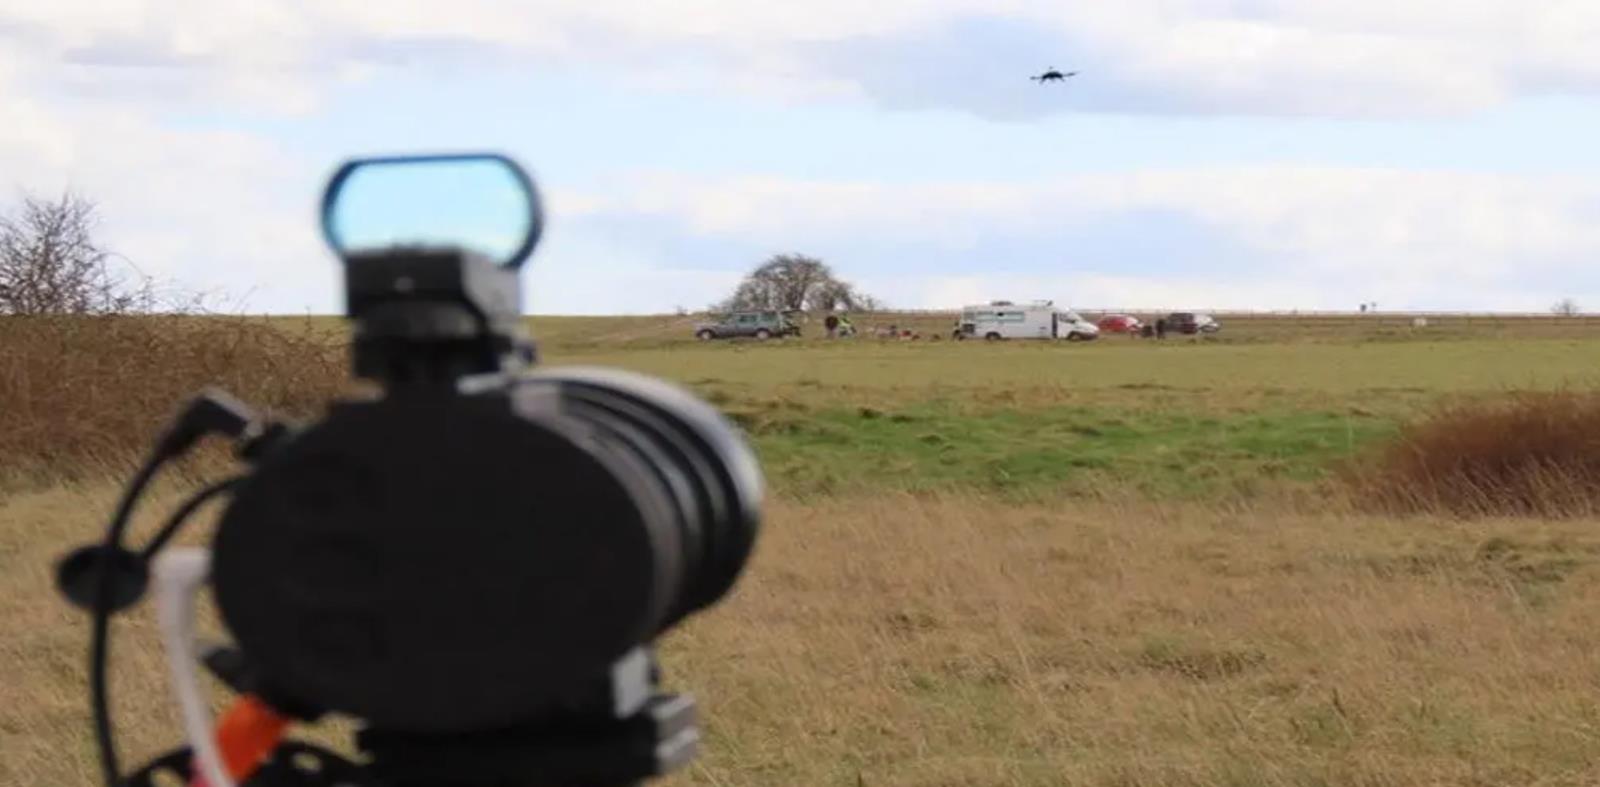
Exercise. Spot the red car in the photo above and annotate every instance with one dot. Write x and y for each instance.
(1120, 323)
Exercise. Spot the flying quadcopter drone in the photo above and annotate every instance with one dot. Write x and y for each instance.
(1053, 75)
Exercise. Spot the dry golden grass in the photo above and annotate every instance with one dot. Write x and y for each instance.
(1532, 453)
(45, 734)
(910, 641)
(899, 640)
(81, 393)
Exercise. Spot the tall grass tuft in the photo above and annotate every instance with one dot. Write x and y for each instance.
(1527, 454)
(81, 392)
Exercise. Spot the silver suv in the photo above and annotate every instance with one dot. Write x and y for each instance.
(760, 325)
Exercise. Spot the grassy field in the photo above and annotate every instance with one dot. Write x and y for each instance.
(1181, 418)
(1116, 563)
(1237, 328)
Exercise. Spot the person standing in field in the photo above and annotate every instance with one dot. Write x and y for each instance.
(831, 325)
(1161, 327)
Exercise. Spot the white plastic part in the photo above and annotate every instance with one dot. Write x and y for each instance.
(179, 574)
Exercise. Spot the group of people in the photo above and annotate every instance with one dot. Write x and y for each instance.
(838, 326)
(1157, 330)
(900, 334)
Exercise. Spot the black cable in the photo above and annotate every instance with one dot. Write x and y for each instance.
(98, 641)
(212, 412)
(175, 522)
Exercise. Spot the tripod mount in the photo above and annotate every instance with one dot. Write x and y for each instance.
(622, 733)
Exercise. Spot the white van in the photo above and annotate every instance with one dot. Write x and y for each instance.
(1038, 320)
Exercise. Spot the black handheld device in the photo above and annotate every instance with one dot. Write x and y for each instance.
(473, 560)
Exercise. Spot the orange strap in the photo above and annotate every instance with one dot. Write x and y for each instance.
(246, 735)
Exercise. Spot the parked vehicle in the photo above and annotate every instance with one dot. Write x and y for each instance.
(1192, 323)
(1038, 320)
(758, 325)
(1119, 323)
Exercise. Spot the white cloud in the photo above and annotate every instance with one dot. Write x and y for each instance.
(1345, 217)
(1358, 57)
(1375, 221)
(610, 287)
(88, 90)
(214, 211)
(1306, 236)
(600, 273)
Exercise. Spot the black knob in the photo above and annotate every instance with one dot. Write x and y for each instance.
(78, 577)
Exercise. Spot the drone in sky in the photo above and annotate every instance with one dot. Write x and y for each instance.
(1053, 75)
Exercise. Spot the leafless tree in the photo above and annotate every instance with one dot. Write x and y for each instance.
(793, 282)
(867, 303)
(1566, 307)
(832, 295)
(50, 262)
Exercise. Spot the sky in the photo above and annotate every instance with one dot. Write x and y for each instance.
(1256, 154)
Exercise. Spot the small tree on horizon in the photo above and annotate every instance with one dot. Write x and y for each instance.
(1566, 307)
(794, 282)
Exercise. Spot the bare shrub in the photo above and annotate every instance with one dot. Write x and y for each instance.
(1527, 454)
(51, 263)
(91, 369)
(81, 393)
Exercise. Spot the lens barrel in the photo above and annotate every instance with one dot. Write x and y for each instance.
(708, 466)
(433, 561)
